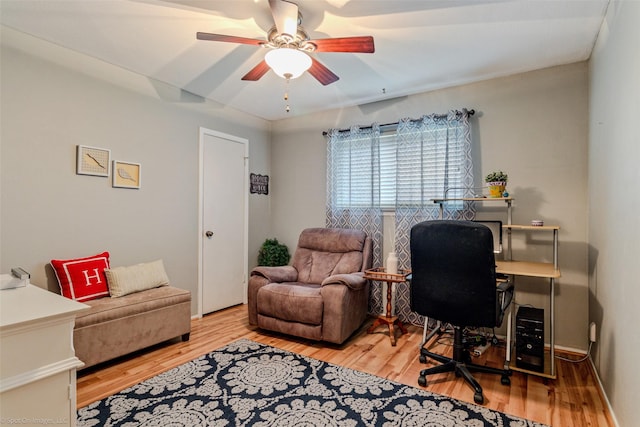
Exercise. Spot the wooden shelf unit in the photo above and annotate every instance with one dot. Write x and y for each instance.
(526, 268)
(506, 200)
(547, 366)
(543, 270)
(508, 266)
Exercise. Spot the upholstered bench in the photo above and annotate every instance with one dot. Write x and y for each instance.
(113, 327)
(131, 307)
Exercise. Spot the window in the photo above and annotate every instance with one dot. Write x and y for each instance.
(400, 167)
(353, 164)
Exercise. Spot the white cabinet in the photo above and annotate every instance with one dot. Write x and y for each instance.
(37, 360)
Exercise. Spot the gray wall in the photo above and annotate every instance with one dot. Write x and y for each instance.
(533, 126)
(47, 211)
(614, 203)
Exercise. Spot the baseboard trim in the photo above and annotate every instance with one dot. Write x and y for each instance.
(569, 350)
(603, 395)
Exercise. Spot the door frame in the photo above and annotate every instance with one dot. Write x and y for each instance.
(201, 229)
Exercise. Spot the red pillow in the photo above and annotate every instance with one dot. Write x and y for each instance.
(83, 279)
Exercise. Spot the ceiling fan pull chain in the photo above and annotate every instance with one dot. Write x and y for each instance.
(286, 96)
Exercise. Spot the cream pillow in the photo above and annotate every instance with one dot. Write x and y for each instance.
(127, 280)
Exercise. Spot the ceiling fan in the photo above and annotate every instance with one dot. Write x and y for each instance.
(289, 46)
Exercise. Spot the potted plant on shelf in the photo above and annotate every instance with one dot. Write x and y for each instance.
(273, 253)
(497, 182)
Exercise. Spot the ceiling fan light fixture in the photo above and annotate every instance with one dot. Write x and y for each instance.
(287, 62)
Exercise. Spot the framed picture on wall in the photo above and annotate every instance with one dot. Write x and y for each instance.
(126, 174)
(93, 161)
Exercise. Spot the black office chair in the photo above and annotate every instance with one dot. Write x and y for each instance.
(453, 281)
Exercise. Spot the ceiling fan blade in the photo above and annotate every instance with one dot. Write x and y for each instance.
(230, 39)
(322, 73)
(285, 16)
(257, 72)
(362, 44)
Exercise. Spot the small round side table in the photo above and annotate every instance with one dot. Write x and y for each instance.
(379, 274)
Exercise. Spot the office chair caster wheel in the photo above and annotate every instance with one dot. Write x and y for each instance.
(422, 381)
(505, 380)
(423, 358)
(478, 398)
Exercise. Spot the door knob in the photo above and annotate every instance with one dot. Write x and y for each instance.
(209, 234)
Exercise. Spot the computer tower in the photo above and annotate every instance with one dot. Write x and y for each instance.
(530, 339)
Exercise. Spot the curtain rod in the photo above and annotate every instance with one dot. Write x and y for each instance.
(325, 133)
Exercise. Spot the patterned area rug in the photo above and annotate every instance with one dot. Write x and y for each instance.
(250, 384)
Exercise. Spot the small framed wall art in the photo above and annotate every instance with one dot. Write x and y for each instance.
(259, 184)
(93, 161)
(126, 174)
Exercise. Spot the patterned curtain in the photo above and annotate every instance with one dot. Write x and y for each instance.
(353, 189)
(429, 154)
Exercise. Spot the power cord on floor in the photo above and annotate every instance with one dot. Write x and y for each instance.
(577, 360)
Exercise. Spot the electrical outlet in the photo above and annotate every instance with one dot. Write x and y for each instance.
(592, 332)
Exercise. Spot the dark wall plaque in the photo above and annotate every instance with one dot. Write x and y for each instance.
(258, 184)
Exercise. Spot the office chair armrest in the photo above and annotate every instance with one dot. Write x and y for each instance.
(352, 280)
(504, 286)
(504, 293)
(285, 273)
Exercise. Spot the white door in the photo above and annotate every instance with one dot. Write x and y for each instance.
(223, 226)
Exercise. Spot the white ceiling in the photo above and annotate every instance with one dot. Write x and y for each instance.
(420, 45)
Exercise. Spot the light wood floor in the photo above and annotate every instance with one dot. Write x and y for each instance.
(571, 400)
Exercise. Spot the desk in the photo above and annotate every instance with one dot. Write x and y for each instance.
(380, 275)
(513, 268)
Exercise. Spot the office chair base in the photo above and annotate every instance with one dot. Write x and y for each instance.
(461, 365)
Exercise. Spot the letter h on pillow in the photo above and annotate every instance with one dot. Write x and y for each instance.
(82, 279)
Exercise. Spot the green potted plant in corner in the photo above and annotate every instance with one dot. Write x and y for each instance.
(273, 253)
(497, 182)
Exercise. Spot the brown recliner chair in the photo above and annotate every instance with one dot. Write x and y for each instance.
(322, 295)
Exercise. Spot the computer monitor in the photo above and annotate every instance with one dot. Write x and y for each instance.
(496, 230)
